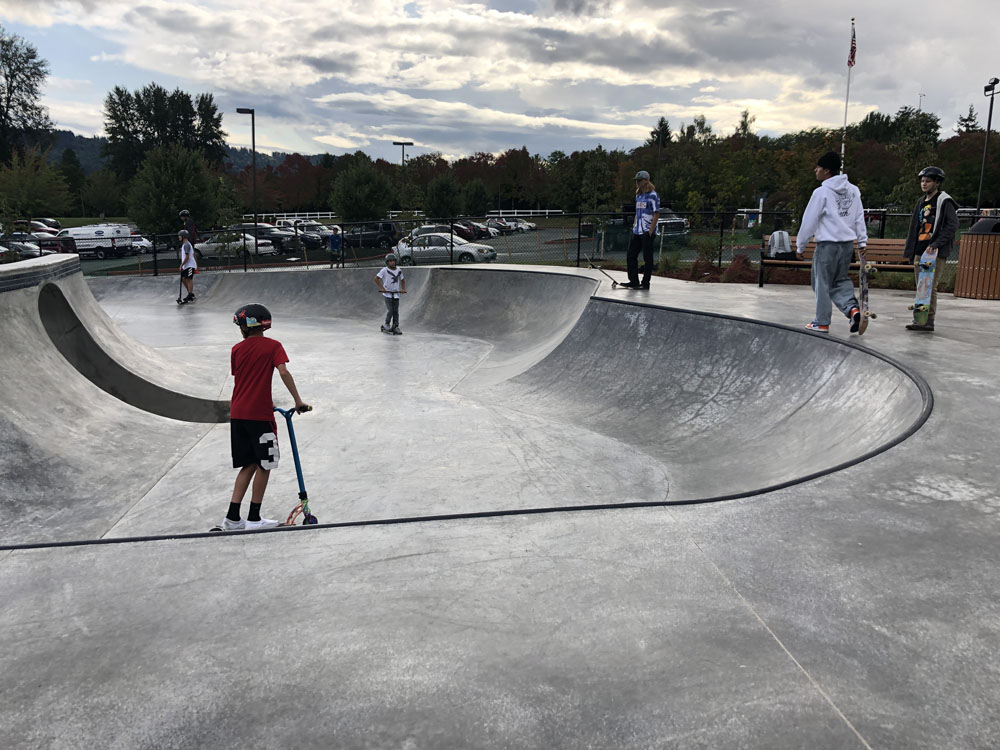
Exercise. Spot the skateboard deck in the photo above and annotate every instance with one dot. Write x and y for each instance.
(590, 263)
(866, 269)
(925, 286)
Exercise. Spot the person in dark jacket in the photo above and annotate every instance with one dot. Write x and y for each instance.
(932, 227)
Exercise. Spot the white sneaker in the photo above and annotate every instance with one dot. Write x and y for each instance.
(229, 525)
(264, 523)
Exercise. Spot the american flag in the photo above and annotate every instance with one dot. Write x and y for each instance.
(854, 48)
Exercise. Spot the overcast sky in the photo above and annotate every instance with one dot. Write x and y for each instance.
(547, 74)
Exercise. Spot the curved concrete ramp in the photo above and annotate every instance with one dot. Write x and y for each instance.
(511, 391)
(731, 406)
(78, 345)
(75, 458)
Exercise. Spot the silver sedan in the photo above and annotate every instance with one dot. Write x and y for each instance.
(442, 248)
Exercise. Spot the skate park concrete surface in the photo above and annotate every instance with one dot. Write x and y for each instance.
(552, 514)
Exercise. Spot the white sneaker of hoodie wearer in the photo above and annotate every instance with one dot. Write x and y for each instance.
(229, 525)
(264, 523)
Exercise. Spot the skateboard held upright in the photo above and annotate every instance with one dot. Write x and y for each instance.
(866, 269)
(925, 286)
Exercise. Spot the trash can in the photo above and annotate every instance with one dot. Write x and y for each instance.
(978, 274)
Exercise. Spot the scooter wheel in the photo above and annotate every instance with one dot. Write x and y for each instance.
(309, 519)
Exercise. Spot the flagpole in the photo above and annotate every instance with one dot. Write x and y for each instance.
(847, 98)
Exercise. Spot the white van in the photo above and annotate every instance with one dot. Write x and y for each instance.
(101, 240)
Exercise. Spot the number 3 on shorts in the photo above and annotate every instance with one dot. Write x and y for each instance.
(270, 440)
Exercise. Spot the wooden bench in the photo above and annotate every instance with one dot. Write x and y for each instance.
(886, 255)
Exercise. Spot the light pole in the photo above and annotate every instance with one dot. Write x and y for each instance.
(403, 145)
(253, 151)
(990, 90)
(920, 101)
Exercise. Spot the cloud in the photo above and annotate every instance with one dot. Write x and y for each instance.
(493, 74)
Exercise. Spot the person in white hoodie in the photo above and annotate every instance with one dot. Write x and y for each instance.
(837, 219)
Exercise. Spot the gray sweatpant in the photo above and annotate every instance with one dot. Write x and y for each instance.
(830, 282)
(391, 311)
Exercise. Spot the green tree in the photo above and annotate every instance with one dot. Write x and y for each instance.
(73, 174)
(151, 117)
(170, 179)
(102, 194)
(968, 123)
(476, 200)
(32, 186)
(360, 192)
(597, 185)
(443, 199)
(22, 74)
(874, 127)
(660, 135)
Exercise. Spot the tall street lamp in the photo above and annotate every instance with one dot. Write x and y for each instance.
(253, 151)
(403, 144)
(988, 90)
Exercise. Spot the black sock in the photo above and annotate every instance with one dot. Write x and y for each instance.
(234, 512)
(254, 514)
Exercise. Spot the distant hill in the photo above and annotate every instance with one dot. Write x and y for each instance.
(88, 151)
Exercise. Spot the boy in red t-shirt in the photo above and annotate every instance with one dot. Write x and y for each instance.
(253, 432)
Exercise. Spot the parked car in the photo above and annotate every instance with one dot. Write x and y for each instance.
(101, 240)
(229, 243)
(50, 222)
(500, 225)
(24, 249)
(283, 240)
(141, 245)
(483, 231)
(672, 226)
(465, 230)
(429, 229)
(382, 234)
(522, 225)
(312, 234)
(304, 225)
(49, 243)
(23, 225)
(437, 248)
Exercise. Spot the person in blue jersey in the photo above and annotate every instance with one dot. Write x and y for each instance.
(647, 213)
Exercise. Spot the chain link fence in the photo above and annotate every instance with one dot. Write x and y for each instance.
(684, 239)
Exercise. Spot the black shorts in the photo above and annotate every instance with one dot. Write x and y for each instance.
(254, 442)
(187, 273)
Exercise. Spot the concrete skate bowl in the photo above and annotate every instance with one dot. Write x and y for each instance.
(719, 407)
(732, 407)
(729, 407)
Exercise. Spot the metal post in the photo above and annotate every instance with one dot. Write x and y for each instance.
(990, 91)
(253, 158)
(156, 267)
(722, 236)
(579, 231)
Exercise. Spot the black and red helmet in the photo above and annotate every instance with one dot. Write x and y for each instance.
(253, 315)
